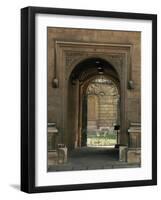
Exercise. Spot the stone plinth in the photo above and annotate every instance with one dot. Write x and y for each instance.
(135, 135)
(52, 157)
(62, 154)
(52, 136)
(134, 155)
(58, 156)
(123, 153)
(134, 150)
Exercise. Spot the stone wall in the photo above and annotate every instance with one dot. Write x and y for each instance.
(103, 108)
(107, 111)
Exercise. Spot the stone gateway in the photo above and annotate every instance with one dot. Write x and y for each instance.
(94, 85)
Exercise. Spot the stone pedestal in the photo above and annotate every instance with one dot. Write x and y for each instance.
(135, 135)
(52, 157)
(52, 136)
(134, 155)
(134, 150)
(123, 153)
(52, 141)
(62, 154)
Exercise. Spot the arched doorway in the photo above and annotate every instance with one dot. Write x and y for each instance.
(94, 74)
(103, 112)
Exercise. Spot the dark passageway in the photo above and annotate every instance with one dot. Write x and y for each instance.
(88, 158)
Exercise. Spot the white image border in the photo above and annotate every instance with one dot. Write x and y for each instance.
(44, 178)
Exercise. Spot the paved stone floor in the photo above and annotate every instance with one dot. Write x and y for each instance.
(88, 158)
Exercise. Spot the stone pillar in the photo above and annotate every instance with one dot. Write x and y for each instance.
(123, 153)
(135, 135)
(52, 136)
(62, 154)
(84, 121)
(134, 150)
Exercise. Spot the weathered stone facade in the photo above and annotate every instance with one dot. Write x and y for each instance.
(103, 100)
(67, 49)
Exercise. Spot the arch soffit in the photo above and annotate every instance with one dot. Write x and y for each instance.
(114, 60)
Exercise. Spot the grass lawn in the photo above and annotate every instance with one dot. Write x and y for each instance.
(101, 140)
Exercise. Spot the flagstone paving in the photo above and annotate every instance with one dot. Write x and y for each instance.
(89, 158)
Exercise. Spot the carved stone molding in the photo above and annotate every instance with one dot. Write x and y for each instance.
(102, 87)
(71, 57)
(75, 52)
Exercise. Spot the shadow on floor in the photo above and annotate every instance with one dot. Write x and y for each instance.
(90, 158)
(15, 186)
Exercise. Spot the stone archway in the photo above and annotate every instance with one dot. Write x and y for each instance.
(80, 78)
(103, 112)
(70, 58)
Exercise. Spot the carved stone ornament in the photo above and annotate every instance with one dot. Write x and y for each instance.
(130, 84)
(55, 83)
(102, 87)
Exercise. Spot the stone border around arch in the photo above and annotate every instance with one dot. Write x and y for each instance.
(75, 52)
(68, 54)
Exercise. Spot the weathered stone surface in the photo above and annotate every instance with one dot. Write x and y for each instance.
(123, 153)
(135, 135)
(52, 158)
(102, 105)
(134, 155)
(62, 154)
(52, 136)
